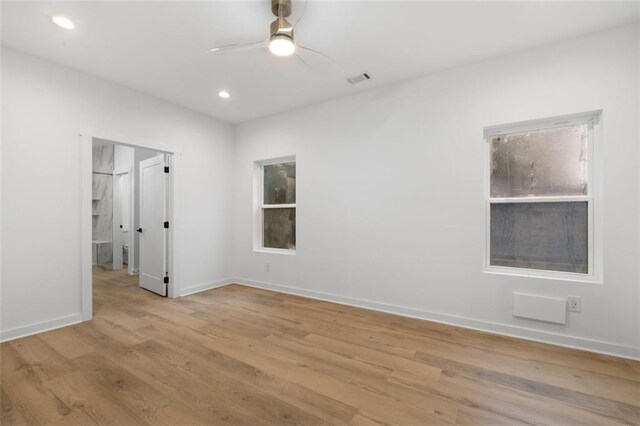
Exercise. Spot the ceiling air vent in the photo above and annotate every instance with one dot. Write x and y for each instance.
(359, 78)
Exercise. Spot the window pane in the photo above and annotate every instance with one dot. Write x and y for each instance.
(280, 228)
(541, 162)
(280, 183)
(551, 236)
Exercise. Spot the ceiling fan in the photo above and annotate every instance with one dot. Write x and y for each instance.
(281, 41)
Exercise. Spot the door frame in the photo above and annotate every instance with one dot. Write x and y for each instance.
(86, 137)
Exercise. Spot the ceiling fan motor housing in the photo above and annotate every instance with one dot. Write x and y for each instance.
(281, 27)
(281, 8)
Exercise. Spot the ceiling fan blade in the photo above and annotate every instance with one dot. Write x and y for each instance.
(317, 60)
(239, 46)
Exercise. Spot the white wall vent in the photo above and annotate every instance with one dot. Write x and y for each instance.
(359, 78)
(550, 309)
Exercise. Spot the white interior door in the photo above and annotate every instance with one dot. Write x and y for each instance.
(153, 234)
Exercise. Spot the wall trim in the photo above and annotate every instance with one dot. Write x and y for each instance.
(39, 327)
(205, 286)
(563, 340)
(573, 342)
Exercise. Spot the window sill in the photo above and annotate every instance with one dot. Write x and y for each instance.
(545, 275)
(275, 251)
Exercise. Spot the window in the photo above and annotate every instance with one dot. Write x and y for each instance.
(540, 202)
(276, 205)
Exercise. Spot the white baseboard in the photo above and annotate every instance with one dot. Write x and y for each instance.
(204, 287)
(574, 342)
(39, 327)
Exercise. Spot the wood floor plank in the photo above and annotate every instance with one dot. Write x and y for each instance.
(10, 359)
(244, 356)
(66, 343)
(200, 346)
(137, 395)
(336, 387)
(10, 414)
(396, 364)
(93, 404)
(256, 407)
(165, 381)
(361, 420)
(624, 413)
(489, 400)
(382, 406)
(35, 401)
(114, 331)
(42, 358)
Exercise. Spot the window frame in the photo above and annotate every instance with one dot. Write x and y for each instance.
(592, 198)
(259, 206)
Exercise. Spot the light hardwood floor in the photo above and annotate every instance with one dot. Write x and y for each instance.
(238, 355)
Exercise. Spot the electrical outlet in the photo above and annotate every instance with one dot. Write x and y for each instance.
(574, 304)
(267, 266)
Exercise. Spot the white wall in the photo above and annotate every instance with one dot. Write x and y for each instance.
(123, 158)
(390, 192)
(44, 108)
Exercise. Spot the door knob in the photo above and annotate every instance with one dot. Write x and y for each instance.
(139, 230)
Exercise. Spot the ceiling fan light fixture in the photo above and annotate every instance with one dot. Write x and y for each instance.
(282, 45)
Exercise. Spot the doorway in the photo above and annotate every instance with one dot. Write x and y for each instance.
(130, 216)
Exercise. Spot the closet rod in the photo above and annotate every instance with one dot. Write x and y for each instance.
(103, 173)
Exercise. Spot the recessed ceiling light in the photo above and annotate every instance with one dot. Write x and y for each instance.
(224, 94)
(63, 22)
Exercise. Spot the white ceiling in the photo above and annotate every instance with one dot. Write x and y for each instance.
(162, 48)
